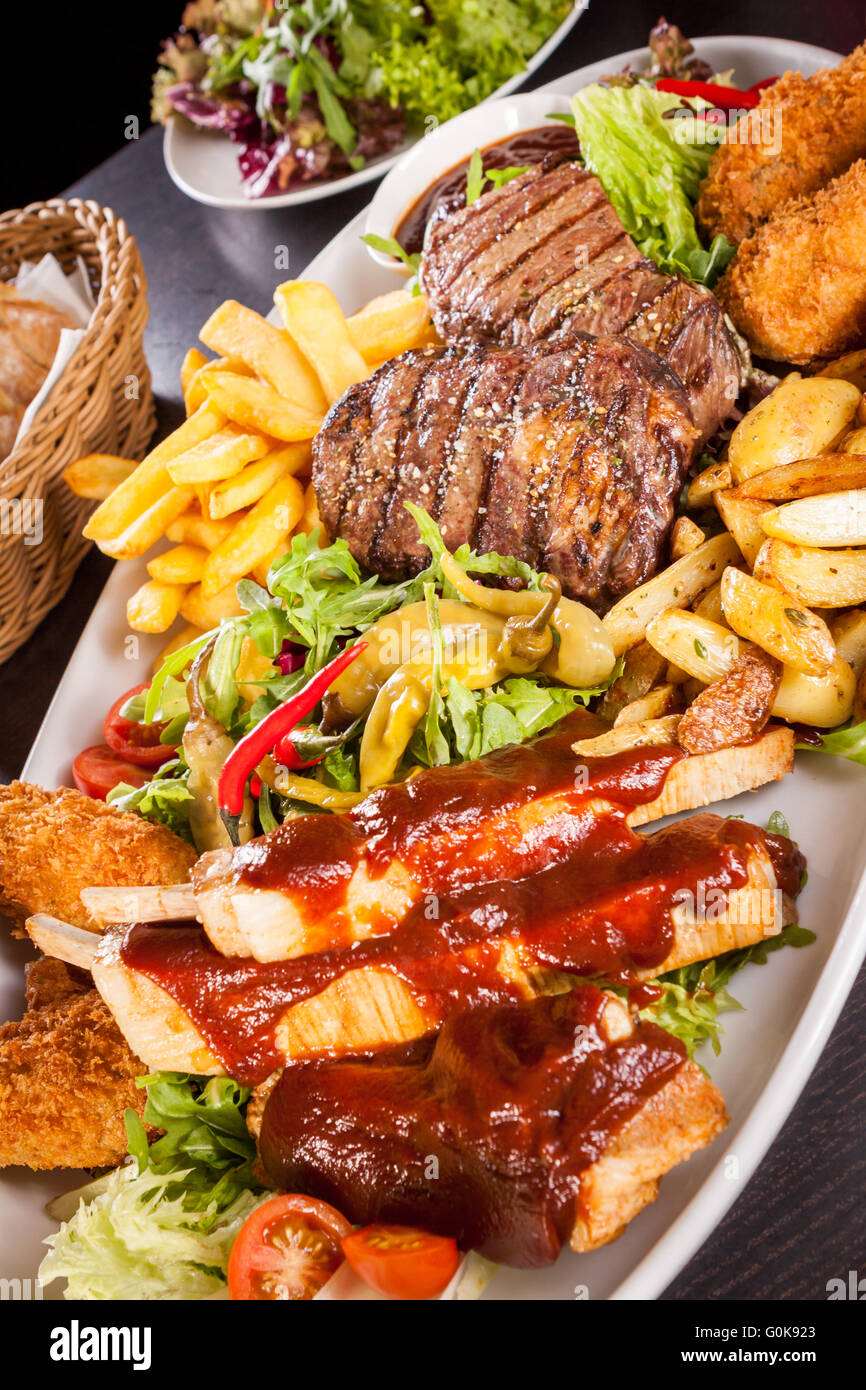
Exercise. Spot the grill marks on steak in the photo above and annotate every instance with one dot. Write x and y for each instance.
(569, 457)
(546, 257)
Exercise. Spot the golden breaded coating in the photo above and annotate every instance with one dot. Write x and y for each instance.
(66, 1076)
(805, 132)
(797, 289)
(53, 844)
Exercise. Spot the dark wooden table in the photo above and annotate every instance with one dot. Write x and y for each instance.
(802, 1218)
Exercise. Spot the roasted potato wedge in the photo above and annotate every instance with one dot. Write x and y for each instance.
(774, 619)
(743, 519)
(849, 634)
(702, 487)
(642, 668)
(824, 701)
(647, 733)
(805, 478)
(832, 519)
(851, 367)
(676, 587)
(661, 700)
(803, 417)
(702, 649)
(685, 537)
(818, 578)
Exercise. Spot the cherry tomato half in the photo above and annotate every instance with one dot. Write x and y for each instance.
(98, 769)
(137, 743)
(286, 1249)
(401, 1261)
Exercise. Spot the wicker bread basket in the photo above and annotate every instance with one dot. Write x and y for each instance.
(102, 403)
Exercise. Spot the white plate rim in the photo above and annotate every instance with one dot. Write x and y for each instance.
(177, 129)
(771, 1107)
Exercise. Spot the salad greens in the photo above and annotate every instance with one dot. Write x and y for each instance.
(847, 742)
(695, 995)
(651, 165)
(309, 91)
(162, 1225)
(316, 600)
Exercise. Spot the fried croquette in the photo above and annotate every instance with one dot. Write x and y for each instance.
(804, 132)
(797, 288)
(54, 843)
(66, 1076)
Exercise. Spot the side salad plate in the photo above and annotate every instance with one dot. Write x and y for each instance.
(204, 163)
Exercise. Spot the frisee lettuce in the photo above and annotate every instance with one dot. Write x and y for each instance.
(162, 1225)
(651, 168)
(694, 996)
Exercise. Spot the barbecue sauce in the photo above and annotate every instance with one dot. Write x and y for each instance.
(553, 143)
(512, 1103)
(592, 898)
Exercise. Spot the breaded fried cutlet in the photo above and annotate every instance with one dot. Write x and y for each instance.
(66, 1076)
(804, 132)
(797, 288)
(54, 843)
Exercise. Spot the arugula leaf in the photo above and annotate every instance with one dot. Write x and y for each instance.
(500, 177)
(390, 246)
(474, 178)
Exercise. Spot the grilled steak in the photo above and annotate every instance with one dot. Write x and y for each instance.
(545, 257)
(569, 457)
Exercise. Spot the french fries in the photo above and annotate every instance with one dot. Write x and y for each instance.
(777, 623)
(819, 578)
(206, 611)
(269, 523)
(703, 649)
(389, 325)
(194, 529)
(315, 322)
(97, 475)
(222, 455)
(800, 419)
(192, 363)
(258, 407)
(676, 587)
(806, 477)
(235, 331)
(154, 607)
(246, 487)
(183, 564)
(150, 481)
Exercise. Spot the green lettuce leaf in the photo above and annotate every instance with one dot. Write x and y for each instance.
(848, 742)
(651, 169)
(164, 800)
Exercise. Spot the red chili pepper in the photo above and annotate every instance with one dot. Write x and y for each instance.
(274, 728)
(727, 98)
(764, 83)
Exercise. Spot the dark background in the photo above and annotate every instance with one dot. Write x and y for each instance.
(80, 69)
(72, 76)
